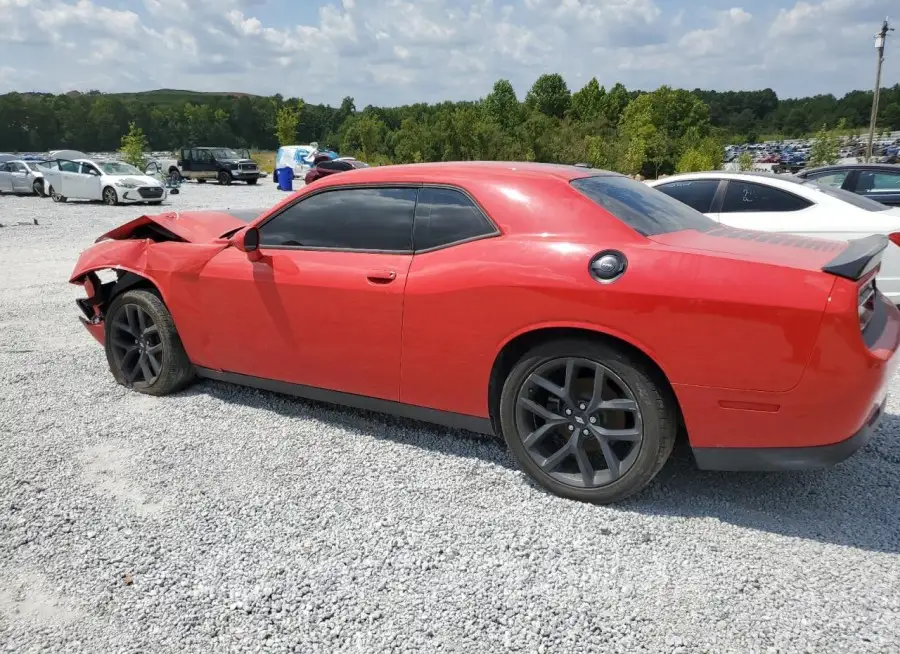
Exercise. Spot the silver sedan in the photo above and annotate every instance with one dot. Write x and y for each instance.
(25, 177)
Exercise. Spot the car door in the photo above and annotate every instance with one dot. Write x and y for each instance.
(879, 185)
(323, 304)
(20, 177)
(752, 205)
(5, 178)
(202, 162)
(69, 178)
(91, 182)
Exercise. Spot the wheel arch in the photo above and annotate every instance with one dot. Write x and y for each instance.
(518, 344)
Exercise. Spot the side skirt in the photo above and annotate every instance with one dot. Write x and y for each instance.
(413, 412)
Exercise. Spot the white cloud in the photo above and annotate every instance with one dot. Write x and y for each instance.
(399, 51)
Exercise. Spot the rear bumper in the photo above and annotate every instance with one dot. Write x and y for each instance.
(774, 459)
(825, 418)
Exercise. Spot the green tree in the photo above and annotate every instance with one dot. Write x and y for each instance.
(825, 149)
(133, 145)
(287, 119)
(614, 103)
(364, 135)
(502, 105)
(588, 103)
(745, 161)
(549, 95)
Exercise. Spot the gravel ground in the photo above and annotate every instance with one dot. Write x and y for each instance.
(231, 520)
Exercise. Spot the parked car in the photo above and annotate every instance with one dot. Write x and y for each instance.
(23, 176)
(785, 203)
(586, 337)
(113, 182)
(332, 166)
(879, 182)
(222, 164)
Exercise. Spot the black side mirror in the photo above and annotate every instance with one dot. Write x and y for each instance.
(251, 239)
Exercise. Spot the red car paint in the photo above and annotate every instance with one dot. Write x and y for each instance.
(330, 167)
(762, 348)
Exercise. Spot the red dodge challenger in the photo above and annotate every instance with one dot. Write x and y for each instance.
(581, 315)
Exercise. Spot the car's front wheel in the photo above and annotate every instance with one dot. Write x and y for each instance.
(110, 196)
(224, 177)
(588, 421)
(143, 348)
(38, 187)
(55, 196)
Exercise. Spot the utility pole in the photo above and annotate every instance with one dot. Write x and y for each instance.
(879, 46)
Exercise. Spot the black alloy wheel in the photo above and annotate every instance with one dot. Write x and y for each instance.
(136, 345)
(581, 423)
(143, 348)
(588, 420)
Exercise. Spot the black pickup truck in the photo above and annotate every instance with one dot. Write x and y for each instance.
(222, 164)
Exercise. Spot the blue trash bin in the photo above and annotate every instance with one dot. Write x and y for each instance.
(285, 178)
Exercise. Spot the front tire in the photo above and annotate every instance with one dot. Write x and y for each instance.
(38, 187)
(588, 421)
(143, 348)
(110, 197)
(56, 197)
(224, 177)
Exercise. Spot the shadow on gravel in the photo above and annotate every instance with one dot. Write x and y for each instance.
(853, 504)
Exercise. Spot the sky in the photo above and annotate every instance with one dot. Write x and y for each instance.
(392, 52)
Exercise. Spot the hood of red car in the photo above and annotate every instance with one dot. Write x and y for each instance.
(190, 226)
(774, 248)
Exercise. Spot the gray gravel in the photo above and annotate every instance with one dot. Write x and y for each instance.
(231, 520)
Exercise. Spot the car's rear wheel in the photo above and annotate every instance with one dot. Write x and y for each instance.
(224, 177)
(143, 348)
(110, 196)
(56, 197)
(174, 175)
(588, 421)
(200, 180)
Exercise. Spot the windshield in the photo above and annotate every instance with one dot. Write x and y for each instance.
(644, 209)
(225, 153)
(118, 168)
(858, 201)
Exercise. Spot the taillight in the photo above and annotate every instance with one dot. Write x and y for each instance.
(895, 238)
(866, 302)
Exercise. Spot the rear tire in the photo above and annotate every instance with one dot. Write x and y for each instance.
(143, 348)
(568, 446)
(200, 180)
(174, 175)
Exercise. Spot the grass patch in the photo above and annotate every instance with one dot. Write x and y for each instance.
(264, 159)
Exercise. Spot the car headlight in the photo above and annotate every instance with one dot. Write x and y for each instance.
(233, 166)
(124, 183)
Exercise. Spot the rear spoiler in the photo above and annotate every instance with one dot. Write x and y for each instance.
(860, 257)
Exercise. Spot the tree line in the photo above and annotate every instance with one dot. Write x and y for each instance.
(654, 132)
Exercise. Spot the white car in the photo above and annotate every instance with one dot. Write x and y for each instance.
(784, 203)
(23, 176)
(112, 182)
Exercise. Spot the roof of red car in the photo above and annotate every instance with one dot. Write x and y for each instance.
(460, 169)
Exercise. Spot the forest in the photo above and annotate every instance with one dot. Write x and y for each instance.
(653, 132)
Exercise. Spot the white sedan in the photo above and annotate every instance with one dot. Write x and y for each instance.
(112, 182)
(784, 203)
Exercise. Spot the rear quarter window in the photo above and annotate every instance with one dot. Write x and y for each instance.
(647, 211)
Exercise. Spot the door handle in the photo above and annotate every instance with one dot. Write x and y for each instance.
(381, 276)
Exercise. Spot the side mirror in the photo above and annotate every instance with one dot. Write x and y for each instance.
(248, 241)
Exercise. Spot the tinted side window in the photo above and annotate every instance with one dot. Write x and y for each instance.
(348, 219)
(4, 168)
(835, 179)
(875, 182)
(328, 165)
(68, 166)
(445, 216)
(644, 209)
(697, 194)
(745, 197)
